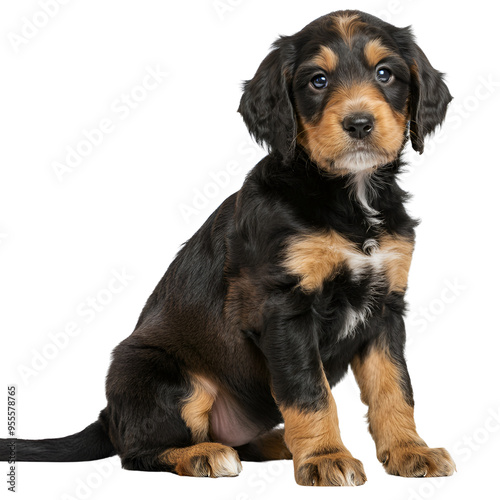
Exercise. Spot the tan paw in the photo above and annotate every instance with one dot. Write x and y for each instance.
(334, 469)
(204, 460)
(418, 461)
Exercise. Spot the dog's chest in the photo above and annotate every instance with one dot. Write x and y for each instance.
(381, 266)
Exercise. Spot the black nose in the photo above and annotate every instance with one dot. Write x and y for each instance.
(358, 125)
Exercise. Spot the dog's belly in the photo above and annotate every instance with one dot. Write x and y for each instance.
(229, 425)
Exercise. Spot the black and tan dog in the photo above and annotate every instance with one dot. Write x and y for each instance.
(294, 278)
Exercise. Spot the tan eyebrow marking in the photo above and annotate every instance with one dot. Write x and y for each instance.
(375, 51)
(326, 59)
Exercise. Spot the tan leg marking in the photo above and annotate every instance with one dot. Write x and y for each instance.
(317, 257)
(197, 406)
(398, 253)
(203, 460)
(399, 447)
(319, 456)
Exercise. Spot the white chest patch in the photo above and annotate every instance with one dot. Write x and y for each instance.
(354, 318)
(362, 265)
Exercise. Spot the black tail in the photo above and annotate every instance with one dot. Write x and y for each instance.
(90, 444)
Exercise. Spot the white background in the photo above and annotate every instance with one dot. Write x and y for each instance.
(124, 209)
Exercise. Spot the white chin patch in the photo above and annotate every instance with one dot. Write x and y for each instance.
(357, 161)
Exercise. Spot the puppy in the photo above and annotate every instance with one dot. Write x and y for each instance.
(294, 278)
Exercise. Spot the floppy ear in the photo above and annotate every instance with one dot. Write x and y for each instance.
(266, 105)
(429, 98)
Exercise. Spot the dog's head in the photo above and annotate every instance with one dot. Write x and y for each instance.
(346, 88)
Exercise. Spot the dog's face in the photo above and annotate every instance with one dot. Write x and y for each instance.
(346, 89)
(351, 93)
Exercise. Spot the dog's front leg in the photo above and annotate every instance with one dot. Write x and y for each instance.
(304, 397)
(382, 375)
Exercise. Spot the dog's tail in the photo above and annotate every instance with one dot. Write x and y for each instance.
(92, 443)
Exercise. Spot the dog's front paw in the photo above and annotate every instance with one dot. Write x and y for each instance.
(418, 461)
(333, 469)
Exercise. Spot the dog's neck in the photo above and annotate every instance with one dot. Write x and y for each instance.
(363, 188)
(363, 204)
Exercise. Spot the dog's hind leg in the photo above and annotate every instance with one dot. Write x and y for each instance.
(268, 446)
(144, 387)
(158, 415)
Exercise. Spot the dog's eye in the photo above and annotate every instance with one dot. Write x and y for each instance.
(319, 81)
(383, 75)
